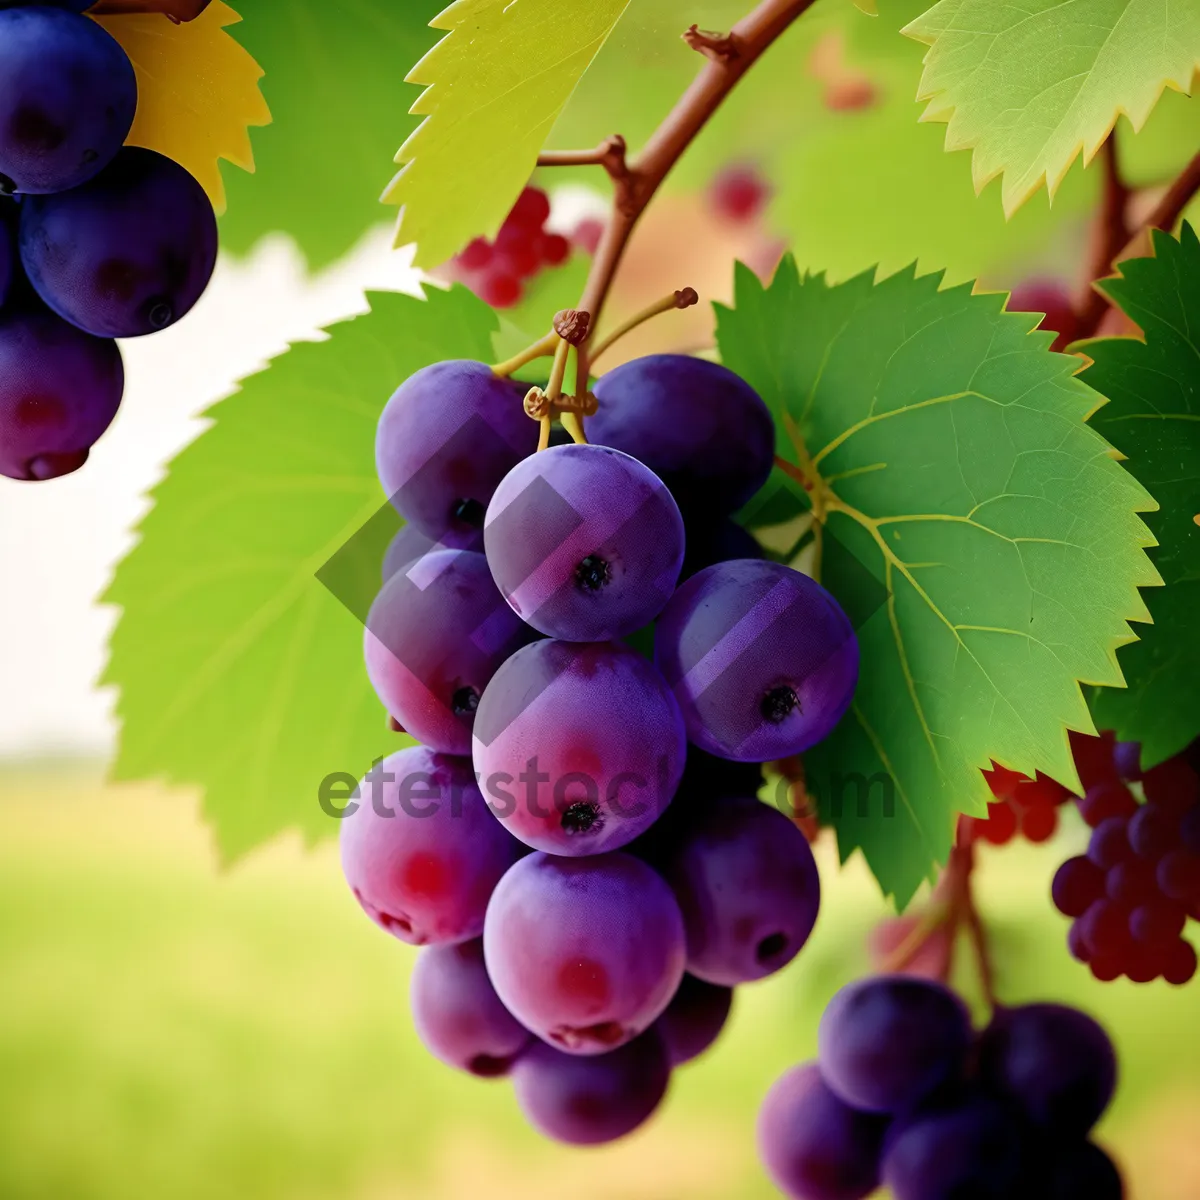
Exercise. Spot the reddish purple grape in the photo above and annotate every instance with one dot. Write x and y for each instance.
(889, 1042)
(1189, 830)
(67, 99)
(1077, 885)
(694, 1019)
(421, 851)
(585, 542)
(1157, 924)
(1127, 757)
(761, 658)
(1152, 832)
(739, 194)
(1109, 844)
(1179, 963)
(700, 428)
(436, 634)
(586, 952)
(127, 253)
(814, 1146)
(1105, 929)
(60, 389)
(457, 1014)
(8, 250)
(410, 543)
(1129, 884)
(747, 884)
(446, 438)
(589, 1101)
(1173, 785)
(579, 747)
(1107, 799)
(1056, 1063)
(1178, 876)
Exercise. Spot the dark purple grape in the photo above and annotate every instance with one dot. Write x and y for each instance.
(579, 747)
(586, 952)
(584, 542)
(410, 543)
(457, 1014)
(1189, 831)
(421, 852)
(1153, 832)
(747, 885)
(702, 429)
(436, 634)
(1082, 1171)
(1055, 1062)
(126, 254)
(59, 391)
(761, 658)
(1109, 844)
(708, 544)
(694, 1018)
(813, 1145)
(446, 438)
(8, 249)
(1128, 759)
(972, 1151)
(588, 1101)
(67, 99)
(1077, 885)
(889, 1042)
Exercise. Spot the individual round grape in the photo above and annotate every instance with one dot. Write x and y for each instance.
(694, 1019)
(973, 1151)
(1055, 1062)
(421, 851)
(1082, 1171)
(585, 542)
(748, 887)
(1129, 884)
(761, 658)
(588, 1101)
(436, 634)
(1000, 826)
(457, 1014)
(814, 1146)
(1105, 929)
(720, 542)
(579, 747)
(1039, 824)
(1153, 832)
(447, 436)
(1157, 924)
(60, 389)
(889, 1042)
(1127, 756)
(585, 952)
(67, 99)
(1179, 963)
(1110, 843)
(127, 253)
(1178, 876)
(700, 428)
(410, 543)
(1105, 800)
(1077, 885)
(739, 194)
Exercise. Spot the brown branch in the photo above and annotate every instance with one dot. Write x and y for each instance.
(610, 155)
(751, 37)
(712, 45)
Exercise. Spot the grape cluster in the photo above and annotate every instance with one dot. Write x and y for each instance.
(98, 240)
(1132, 893)
(1024, 806)
(578, 842)
(904, 1093)
(497, 271)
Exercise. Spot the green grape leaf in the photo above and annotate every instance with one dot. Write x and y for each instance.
(1153, 418)
(949, 455)
(338, 103)
(238, 671)
(1028, 86)
(494, 86)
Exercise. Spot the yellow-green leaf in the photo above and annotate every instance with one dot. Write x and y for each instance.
(197, 91)
(495, 85)
(1029, 84)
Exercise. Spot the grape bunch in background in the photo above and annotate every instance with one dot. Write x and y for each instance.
(906, 1094)
(577, 841)
(98, 240)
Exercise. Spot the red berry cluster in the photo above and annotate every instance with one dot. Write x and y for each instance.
(1133, 891)
(1022, 805)
(739, 194)
(496, 271)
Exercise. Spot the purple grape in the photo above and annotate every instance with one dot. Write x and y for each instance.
(421, 852)
(587, 1101)
(975, 1150)
(813, 1145)
(585, 542)
(126, 254)
(410, 543)
(446, 438)
(8, 253)
(694, 1018)
(579, 747)
(1189, 830)
(889, 1042)
(586, 952)
(748, 888)
(723, 542)
(436, 634)
(59, 391)
(1055, 1062)
(67, 99)
(703, 430)
(760, 657)
(457, 1014)
(1082, 1171)
(1128, 758)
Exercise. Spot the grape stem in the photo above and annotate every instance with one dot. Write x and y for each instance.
(681, 299)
